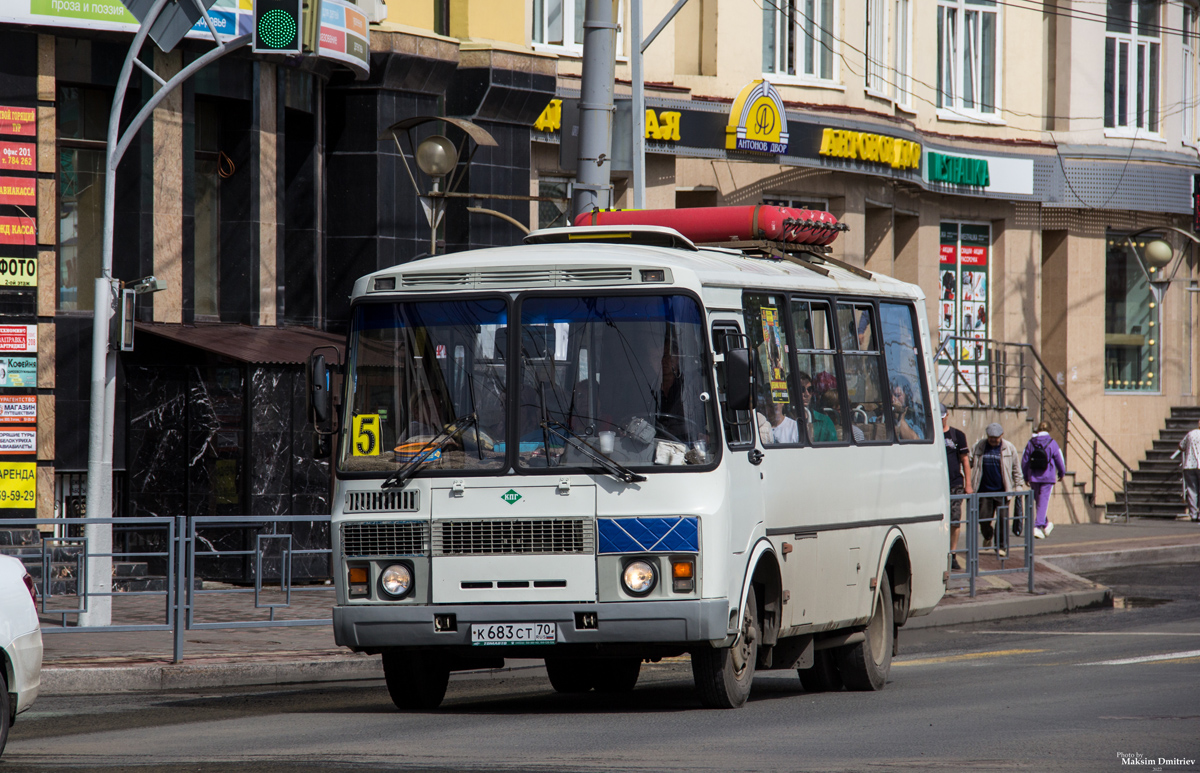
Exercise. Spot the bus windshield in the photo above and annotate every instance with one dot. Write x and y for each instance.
(415, 368)
(624, 374)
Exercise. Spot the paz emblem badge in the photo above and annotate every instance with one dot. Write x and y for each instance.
(510, 496)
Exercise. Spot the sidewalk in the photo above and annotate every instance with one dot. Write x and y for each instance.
(132, 661)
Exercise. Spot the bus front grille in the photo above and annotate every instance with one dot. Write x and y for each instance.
(385, 538)
(381, 501)
(533, 536)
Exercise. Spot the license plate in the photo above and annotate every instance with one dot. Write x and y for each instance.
(514, 633)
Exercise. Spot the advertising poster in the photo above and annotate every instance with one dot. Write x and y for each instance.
(18, 409)
(18, 121)
(18, 338)
(18, 441)
(773, 340)
(18, 272)
(18, 156)
(18, 485)
(21, 191)
(18, 371)
(17, 230)
(964, 310)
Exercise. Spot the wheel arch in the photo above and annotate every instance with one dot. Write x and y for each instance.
(895, 563)
(764, 573)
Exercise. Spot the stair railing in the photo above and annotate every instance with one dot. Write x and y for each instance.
(976, 374)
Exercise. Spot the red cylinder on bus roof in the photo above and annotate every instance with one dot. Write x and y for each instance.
(728, 224)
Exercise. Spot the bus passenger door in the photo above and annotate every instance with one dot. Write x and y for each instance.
(743, 459)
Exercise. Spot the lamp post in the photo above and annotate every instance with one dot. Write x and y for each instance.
(1156, 257)
(437, 157)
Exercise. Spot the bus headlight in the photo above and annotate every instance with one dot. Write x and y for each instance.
(639, 578)
(396, 581)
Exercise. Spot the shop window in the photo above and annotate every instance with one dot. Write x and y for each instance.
(210, 167)
(967, 56)
(1131, 62)
(1131, 321)
(798, 39)
(559, 23)
(964, 315)
(553, 214)
(82, 115)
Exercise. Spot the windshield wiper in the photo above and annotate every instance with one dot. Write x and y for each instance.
(608, 465)
(400, 477)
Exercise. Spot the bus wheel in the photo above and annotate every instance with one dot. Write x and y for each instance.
(614, 675)
(723, 676)
(415, 680)
(823, 676)
(866, 665)
(570, 675)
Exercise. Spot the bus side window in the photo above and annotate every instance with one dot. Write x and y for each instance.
(738, 431)
(776, 411)
(909, 403)
(860, 353)
(817, 377)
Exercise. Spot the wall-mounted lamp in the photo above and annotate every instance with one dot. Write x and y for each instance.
(1156, 257)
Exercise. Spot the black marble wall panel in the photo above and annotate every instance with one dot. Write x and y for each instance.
(299, 216)
(18, 67)
(239, 271)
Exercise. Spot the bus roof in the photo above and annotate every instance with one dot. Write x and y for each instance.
(596, 265)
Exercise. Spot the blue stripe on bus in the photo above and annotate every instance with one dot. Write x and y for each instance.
(637, 535)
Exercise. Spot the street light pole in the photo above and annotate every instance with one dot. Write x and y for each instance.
(639, 94)
(593, 178)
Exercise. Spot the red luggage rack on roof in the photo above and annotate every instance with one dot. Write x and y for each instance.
(775, 232)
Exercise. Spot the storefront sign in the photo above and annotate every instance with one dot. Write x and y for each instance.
(344, 34)
(757, 121)
(663, 127)
(957, 170)
(21, 191)
(18, 371)
(18, 484)
(18, 441)
(18, 409)
(17, 155)
(18, 338)
(877, 148)
(963, 304)
(551, 118)
(18, 272)
(21, 121)
(17, 230)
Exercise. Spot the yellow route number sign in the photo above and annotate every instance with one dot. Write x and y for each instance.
(366, 434)
(18, 486)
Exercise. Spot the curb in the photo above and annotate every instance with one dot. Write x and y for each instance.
(1112, 559)
(184, 676)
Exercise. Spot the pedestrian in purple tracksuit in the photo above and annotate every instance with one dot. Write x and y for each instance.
(1042, 478)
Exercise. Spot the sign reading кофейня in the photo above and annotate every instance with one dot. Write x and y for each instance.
(957, 170)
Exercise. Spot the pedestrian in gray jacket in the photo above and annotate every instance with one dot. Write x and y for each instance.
(995, 468)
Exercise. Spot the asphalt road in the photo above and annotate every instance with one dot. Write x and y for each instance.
(1057, 693)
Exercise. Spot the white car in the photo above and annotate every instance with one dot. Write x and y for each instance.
(20, 643)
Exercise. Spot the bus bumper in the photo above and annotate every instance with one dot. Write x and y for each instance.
(695, 620)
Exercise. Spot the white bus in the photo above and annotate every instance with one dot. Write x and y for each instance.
(609, 446)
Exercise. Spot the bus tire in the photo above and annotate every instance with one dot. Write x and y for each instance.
(823, 676)
(617, 675)
(723, 676)
(415, 680)
(865, 666)
(570, 675)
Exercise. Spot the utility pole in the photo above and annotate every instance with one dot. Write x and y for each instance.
(593, 180)
(639, 95)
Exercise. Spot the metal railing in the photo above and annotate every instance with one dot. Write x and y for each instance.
(183, 573)
(1007, 376)
(1012, 511)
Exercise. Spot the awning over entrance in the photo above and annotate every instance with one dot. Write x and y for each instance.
(259, 345)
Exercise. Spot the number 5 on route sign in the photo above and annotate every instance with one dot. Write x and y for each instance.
(366, 434)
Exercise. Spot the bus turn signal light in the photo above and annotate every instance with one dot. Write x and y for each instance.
(683, 576)
(358, 582)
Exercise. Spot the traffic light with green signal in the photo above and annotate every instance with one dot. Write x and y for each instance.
(277, 26)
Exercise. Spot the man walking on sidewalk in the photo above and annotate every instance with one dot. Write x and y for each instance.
(1191, 472)
(995, 467)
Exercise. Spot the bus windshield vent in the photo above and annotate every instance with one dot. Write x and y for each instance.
(381, 502)
(597, 275)
(516, 277)
(456, 279)
(392, 538)
(527, 536)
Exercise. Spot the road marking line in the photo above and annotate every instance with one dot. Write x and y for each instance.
(1078, 633)
(1169, 657)
(963, 657)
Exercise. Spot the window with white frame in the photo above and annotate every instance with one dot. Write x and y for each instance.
(1191, 37)
(967, 64)
(1131, 64)
(559, 23)
(902, 53)
(876, 70)
(798, 38)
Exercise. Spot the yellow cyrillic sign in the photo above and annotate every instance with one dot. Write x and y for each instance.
(18, 485)
(878, 148)
(551, 118)
(664, 126)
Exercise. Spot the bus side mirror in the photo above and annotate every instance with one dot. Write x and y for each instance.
(318, 391)
(738, 393)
